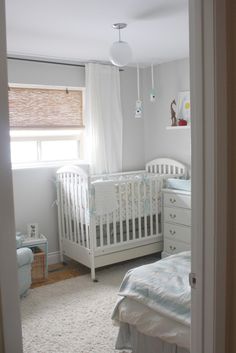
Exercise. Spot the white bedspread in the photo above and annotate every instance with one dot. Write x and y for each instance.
(150, 323)
(160, 295)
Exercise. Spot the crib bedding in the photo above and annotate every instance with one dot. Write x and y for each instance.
(136, 196)
(156, 299)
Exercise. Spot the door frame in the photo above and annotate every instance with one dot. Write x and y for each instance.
(10, 323)
(208, 86)
(209, 181)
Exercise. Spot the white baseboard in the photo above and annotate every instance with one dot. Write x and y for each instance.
(54, 257)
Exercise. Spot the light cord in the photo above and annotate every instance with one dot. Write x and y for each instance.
(138, 87)
(152, 76)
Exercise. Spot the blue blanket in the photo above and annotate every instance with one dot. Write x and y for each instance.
(162, 286)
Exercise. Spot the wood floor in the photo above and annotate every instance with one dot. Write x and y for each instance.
(60, 272)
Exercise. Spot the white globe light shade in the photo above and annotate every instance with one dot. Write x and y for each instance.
(120, 53)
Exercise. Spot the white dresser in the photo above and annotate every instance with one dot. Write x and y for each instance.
(176, 221)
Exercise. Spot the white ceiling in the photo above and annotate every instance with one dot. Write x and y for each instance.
(81, 30)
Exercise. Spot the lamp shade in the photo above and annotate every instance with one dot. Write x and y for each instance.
(120, 53)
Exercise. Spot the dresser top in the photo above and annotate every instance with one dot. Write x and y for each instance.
(176, 191)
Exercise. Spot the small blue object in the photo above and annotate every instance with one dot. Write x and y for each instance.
(152, 95)
(138, 110)
(179, 184)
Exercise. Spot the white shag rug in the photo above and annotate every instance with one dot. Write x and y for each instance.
(74, 316)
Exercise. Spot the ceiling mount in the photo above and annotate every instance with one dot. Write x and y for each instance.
(119, 25)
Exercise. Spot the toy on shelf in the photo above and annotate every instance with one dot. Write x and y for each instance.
(182, 122)
(173, 114)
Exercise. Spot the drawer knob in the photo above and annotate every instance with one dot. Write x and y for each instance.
(172, 200)
(173, 216)
(172, 231)
(172, 248)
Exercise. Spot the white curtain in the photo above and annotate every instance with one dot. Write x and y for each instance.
(103, 118)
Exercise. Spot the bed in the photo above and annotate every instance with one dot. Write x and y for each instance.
(153, 309)
(105, 219)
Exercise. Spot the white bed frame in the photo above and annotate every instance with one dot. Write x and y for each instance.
(81, 232)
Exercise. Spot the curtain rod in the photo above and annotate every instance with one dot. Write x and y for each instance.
(49, 62)
(44, 61)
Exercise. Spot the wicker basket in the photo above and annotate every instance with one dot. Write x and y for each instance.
(38, 272)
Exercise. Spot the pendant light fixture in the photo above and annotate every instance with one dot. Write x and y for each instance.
(120, 51)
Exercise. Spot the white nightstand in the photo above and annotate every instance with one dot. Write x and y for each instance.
(40, 241)
(176, 221)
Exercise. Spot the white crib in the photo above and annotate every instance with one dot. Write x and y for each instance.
(132, 230)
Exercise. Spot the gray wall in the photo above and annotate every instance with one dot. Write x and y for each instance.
(45, 74)
(34, 191)
(133, 136)
(143, 139)
(170, 78)
(34, 196)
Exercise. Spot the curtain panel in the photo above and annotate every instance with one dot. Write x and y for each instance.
(103, 118)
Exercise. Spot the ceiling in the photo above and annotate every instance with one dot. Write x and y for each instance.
(81, 30)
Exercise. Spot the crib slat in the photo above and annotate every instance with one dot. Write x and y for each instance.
(157, 184)
(133, 210)
(81, 210)
(120, 213)
(69, 205)
(85, 191)
(145, 208)
(108, 230)
(151, 210)
(127, 212)
(62, 205)
(66, 206)
(72, 209)
(78, 233)
(114, 227)
(101, 232)
(75, 233)
(139, 210)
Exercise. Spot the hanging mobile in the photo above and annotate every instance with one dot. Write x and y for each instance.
(138, 110)
(153, 92)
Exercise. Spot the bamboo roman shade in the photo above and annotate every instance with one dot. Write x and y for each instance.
(45, 108)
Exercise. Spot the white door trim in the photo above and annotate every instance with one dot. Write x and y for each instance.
(208, 176)
(10, 324)
(209, 173)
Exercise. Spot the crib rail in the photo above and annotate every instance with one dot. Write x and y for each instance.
(136, 219)
(166, 166)
(73, 205)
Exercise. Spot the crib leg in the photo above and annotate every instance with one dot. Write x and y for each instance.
(93, 275)
(61, 257)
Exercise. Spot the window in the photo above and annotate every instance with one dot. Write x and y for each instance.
(46, 124)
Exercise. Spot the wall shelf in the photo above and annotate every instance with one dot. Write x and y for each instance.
(186, 127)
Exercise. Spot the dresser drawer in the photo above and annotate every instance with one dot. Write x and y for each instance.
(174, 247)
(176, 232)
(177, 215)
(177, 200)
